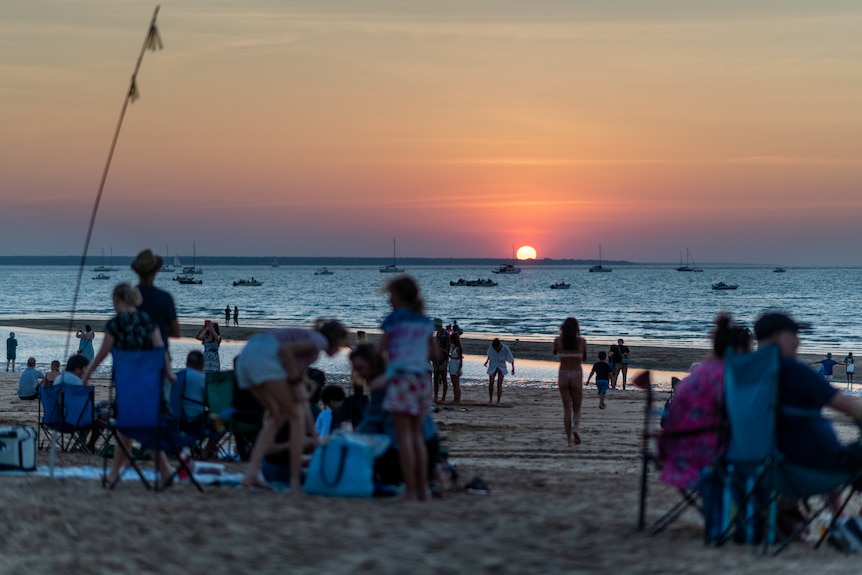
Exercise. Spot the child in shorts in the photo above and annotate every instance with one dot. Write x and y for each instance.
(602, 370)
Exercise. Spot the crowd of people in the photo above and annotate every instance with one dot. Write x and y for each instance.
(398, 380)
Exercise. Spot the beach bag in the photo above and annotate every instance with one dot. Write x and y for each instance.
(18, 448)
(341, 468)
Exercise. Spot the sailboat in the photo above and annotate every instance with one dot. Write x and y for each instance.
(103, 267)
(689, 265)
(168, 267)
(508, 268)
(393, 267)
(599, 267)
(275, 262)
(193, 269)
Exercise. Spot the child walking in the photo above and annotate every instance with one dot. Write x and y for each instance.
(602, 370)
(408, 341)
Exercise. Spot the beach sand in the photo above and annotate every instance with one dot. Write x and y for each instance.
(553, 509)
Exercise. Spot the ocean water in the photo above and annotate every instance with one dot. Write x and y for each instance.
(644, 304)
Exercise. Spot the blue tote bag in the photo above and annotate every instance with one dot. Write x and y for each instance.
(341, 468)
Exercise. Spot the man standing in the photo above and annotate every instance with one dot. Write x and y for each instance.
(235, 315)
(158, 304)
(619, 355)
(227, 315)
(11, 349)
(28, 383)
(828, 365)
(498, 354)
(804, 440)
(441, 362)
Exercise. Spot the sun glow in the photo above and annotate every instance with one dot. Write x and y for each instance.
(526, 253)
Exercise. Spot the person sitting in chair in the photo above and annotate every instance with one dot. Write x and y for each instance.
(76, 365)
(694, 429)
(28, 382)
(807, 441)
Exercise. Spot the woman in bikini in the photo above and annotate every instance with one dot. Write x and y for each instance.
(572, 349)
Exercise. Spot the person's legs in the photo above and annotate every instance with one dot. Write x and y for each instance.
(491, 388)
(297, 416)
(436, 384)
(576, 391)
(406, 453)
(617, 368)
(444, 380)
(120, 458)
(456, 388)
(601, 401)
(276, 398)
(499, 386)
(420, 453)
(565, 395)
(625, 372)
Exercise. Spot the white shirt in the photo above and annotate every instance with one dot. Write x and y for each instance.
(497, 359)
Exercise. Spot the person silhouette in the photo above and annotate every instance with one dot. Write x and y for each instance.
(235, 315)
(227, 315)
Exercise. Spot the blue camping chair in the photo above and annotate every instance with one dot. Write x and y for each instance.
(739, 499)
(51, 416)
(139, 408)
(79, 414)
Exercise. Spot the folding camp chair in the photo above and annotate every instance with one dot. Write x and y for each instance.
(79, 415)
(650, 458)
(754, 474)
(234, 415)
(51, 416)
(139, 414)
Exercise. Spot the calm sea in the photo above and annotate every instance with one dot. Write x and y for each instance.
(644, 304)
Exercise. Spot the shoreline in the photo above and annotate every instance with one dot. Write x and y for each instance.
(651, 357)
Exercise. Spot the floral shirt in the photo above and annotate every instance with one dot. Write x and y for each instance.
(695, 429)
(132, 331)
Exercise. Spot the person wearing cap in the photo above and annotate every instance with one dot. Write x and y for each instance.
(157, 303)
(11, 348)
(441, 361)
(28, 382)
(498, 354)
(807, 441)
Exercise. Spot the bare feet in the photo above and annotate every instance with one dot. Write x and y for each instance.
(577, 438)
(254, 481)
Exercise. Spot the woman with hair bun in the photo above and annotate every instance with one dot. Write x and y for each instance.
(694, 426)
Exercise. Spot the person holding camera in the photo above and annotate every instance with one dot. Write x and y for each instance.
(85, 346)
(210, 335)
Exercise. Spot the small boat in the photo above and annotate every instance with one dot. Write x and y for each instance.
(393, 267)
(275, 262)
(193, 269)
(249, 282)
(324, 271)
(474, 283)
(689, 265)
(101, 277)
(169, 268)
(599, 268)
(103, 267)
(724, 286)
(779, 270)
(561, 285)
(188, 280)
(508, 269)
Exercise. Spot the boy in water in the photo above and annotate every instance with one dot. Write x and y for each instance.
(602, 370)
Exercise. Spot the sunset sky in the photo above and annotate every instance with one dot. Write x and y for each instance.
(461, 128)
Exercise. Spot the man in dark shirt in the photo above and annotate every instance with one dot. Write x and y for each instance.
(157, 303)
(804, 440)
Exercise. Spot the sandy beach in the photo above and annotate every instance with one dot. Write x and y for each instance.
(553, 509)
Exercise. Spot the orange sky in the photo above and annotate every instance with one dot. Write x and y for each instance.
(461, 128)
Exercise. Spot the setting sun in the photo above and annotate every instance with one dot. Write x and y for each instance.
(526, 253)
